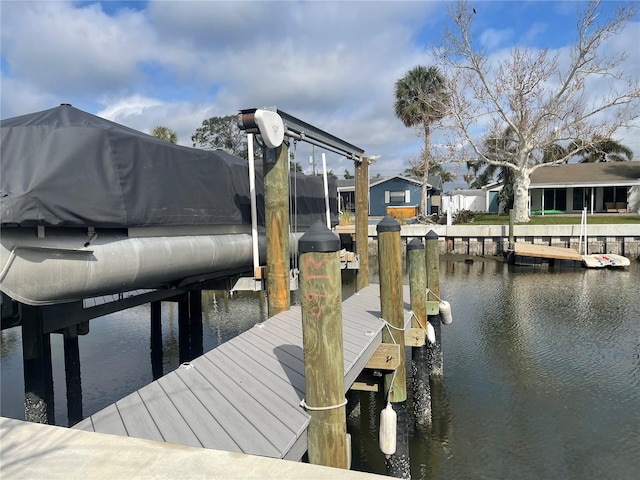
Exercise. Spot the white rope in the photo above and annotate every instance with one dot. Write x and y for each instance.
(393, 378)
(418, 320)
(91, 240)
(388, 325)
(433, 293)
(304, 405)
(5, 269)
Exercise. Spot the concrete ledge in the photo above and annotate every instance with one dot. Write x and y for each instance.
(623, 239)
(31, 450)
(618, 230)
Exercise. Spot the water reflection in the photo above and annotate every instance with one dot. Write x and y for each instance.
(541, 372)
(541, 377)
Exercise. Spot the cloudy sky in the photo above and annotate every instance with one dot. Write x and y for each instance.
(332, 64)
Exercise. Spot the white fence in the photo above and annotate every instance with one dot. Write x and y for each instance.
(474, 200)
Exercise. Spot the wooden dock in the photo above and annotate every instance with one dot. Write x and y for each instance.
(545, 251)
(527, 254)
(244, 396)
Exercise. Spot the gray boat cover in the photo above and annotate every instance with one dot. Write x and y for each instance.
(67, 168)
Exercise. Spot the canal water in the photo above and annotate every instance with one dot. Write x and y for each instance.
(541, 372)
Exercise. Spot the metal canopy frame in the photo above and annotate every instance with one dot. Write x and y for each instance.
(306, 132)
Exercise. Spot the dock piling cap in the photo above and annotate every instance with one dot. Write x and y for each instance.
(319, 239)
(431, 235)
(415, 244)
(388, 224)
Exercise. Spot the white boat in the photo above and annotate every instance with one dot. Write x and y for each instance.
(605, 260)
(597, 260)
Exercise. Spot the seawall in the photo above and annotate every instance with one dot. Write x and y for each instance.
(494, 239)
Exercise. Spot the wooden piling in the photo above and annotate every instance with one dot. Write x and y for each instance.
(72, 376)
(419, 354)
(321, 304)
(184, 341)
(195, 312)
(354, 408)
(391, 301)
(391, 307)
(38, 372)
(190, 325)
(276, 202)
(156, 340)
(512, 242)
(433, 284)
(362, 221)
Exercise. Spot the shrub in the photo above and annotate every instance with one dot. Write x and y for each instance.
(346, 218)
(463, 216)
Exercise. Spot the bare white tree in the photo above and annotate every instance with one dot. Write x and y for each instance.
(542, 99)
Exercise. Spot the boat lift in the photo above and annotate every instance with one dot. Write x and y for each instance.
(273, 126)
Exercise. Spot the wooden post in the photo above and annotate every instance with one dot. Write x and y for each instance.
(417, 282)
(72, 375)
(196, 333)
(156, 340)
(276, 203)
(354, 408)
(38, 372)
(419, 363)
(511, 229)
(184, 329)
(190, 325)
(433, 284)
(391, 307)
(362, 221)
(321, 301)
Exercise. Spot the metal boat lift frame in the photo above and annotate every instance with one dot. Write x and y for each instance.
(299, 130)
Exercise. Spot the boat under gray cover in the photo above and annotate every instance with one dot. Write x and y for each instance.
(67, 168)
(161, 212)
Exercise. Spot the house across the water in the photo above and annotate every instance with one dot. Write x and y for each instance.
(603, 187)
(395, 193)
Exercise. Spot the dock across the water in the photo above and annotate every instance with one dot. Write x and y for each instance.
(533, 254)
(244, 396)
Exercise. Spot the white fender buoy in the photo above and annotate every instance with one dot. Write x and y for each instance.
(445, 312)
(388, 425)
(431, 333)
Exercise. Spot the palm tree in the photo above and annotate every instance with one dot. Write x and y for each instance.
(416, 170)
(606, 150)
(165, 133)
(422, 99)
(501, 149)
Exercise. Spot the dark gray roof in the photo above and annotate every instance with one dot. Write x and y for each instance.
(343, 183)
(623, 173)
(436, 182)
(346, 185)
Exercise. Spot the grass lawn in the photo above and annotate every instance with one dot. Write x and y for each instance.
(614, 219)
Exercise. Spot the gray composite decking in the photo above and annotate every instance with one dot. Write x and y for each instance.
(243, 396)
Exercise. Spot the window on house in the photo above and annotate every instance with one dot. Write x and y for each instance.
(397, 196)
(555, 199)
(579, 200)
(615, 194)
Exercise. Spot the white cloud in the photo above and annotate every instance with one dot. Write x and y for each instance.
(331, 64)
(126, 110)
(533, 33)
(74, 50)
(492, 38)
